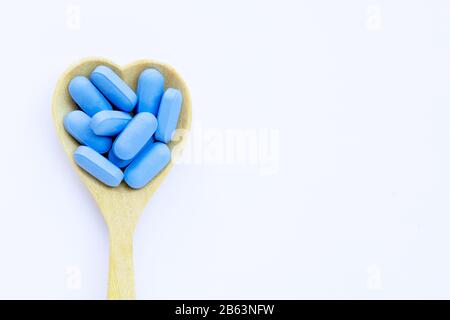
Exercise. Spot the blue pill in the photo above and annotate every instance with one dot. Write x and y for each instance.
(87, 96)
(98, 166)
(136, 134)
(147, 165)
(77, 123)
(109, 122)
(168, 113)
(116, 161)
(114, 88)
(150, 89)
(123, 163)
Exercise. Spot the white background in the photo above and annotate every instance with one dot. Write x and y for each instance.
(358, 207)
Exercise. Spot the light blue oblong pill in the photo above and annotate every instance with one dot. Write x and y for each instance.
(136, 134)
(150, 89)
(116, 161)
(147, 165)
(77, 123)
(168, 113)
(98, 166)
(123, 163)
(109, 122)
(114, 88)
(87, 96)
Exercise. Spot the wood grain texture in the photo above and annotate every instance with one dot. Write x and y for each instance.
(120, 206)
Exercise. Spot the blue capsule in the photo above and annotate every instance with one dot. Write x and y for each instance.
(98, 166)
(136, 134)
(114, 88)
(168, 114)
(123, 163)
(77, 123)
(116, 161)
(87, 96)
(109, 122)
(150, 89)
(147, 165)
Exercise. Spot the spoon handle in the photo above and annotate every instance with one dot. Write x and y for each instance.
(121, 275)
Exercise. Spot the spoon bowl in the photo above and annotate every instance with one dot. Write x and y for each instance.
(120, 206)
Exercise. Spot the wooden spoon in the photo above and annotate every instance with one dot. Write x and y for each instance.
(120, 206)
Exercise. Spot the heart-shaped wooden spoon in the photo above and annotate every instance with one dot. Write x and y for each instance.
(120, 206)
